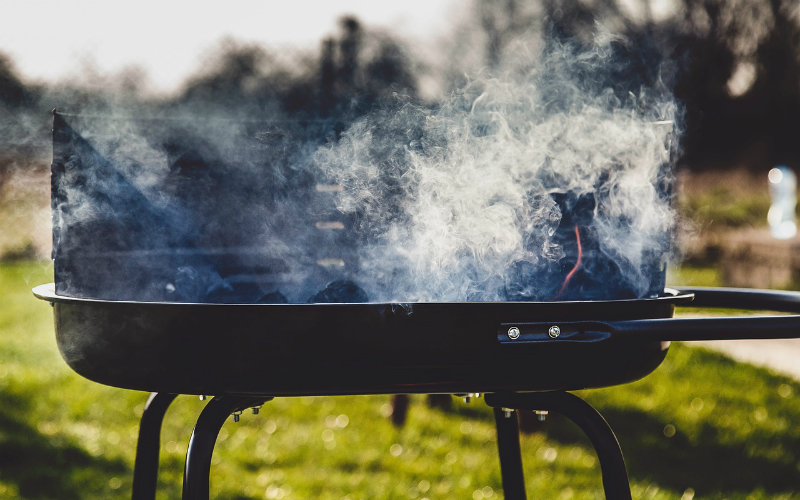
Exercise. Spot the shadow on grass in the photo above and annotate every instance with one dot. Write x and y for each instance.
(708, 465)
(475, 410)
(48, 468)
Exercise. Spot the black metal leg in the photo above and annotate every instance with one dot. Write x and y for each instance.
(510, 455)
(145, 468)
(612, 465)
(204, 436)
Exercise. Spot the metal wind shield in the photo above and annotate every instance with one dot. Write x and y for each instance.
(190, 210)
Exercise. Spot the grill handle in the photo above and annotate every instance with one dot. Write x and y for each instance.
(749, 299)
(725, 328)
(684, 329)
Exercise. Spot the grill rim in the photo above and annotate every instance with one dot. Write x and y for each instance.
(47, 292)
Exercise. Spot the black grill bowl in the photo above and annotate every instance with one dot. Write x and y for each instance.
(331, 349)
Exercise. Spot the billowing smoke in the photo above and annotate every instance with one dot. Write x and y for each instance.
(479, 198)
(538, 182)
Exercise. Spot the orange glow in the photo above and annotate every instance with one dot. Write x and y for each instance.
(574, 269)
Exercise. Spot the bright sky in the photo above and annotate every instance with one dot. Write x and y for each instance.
(51, 39)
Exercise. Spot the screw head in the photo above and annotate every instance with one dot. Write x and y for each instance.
(554, 332)
(513, 333)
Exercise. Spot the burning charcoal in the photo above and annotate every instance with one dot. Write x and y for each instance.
(275, 297)
(340, 291)
(198, 284)
(189, 163)
(574, 236)
(576, 210)
(244, 293)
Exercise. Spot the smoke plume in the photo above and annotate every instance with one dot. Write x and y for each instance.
(539, 181)
(465, 201)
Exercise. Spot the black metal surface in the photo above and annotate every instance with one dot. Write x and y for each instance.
(510, 454)
(247, 353)
(745, 298)
(201, 445)
(145, 468)
(293, 349)
(612, 464)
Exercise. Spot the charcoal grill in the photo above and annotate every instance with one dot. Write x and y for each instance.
(522, 354)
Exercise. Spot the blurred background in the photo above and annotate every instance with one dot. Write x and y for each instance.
(732, 64)
(702, 426)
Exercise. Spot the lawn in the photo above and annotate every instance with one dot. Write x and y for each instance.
(701, 426)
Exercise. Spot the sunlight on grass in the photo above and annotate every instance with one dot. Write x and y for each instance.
(693, 276)
(701, 425)
(25, 214)
(720, 208)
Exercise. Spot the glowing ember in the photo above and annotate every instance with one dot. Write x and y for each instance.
(575, 268)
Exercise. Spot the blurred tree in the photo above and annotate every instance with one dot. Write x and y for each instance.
(388, 72)
(327, 76)
(17, 102)
(734, 64)
(354, 71)
(237, 78)
(13, 93)
(738, 74)
(349, 52)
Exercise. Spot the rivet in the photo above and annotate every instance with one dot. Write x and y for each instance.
(554, 331)
(513, 333)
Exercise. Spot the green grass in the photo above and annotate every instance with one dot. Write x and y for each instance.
(719, 208)
(701, 425)
(693, 276)
(25, 214)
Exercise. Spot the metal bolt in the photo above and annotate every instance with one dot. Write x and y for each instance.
(542, 415)
(256, 409)
(236, 415)
(468, 397)
(203, 397)
(554, 331)
(513, 333)
(508, 412)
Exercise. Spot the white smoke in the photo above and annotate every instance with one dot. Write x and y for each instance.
(453, 199)
(458, 202)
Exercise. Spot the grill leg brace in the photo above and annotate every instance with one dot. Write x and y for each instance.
(204, 436)
(510, 454)
(145, 467)
(612, 465)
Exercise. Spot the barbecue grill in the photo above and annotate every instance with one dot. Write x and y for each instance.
(245, 350)
(522, 355)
